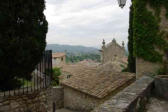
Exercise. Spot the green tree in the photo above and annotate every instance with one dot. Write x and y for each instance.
(131, 58)
(23, 29)
(56, 73)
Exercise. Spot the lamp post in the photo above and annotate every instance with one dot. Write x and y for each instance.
(122, 3)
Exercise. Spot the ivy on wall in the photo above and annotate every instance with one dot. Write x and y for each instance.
(147, 35)
(156, 4)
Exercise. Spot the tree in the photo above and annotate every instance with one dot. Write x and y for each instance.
(131, 57)
(23, 29)
(56, 73)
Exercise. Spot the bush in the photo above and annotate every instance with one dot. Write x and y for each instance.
(23, 29)
(56, 73)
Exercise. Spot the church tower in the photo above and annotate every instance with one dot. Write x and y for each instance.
(103, 49)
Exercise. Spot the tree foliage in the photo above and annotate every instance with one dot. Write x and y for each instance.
(74, 58)
(131, 58)
(56, 73)
(147, 35)
(23, 29)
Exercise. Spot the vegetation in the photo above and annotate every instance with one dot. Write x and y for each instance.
(131, 58)
(23, 29)
(147, 35)
(74, 50)
(73, 58)
(157, 4)
(76, 53)
(56, 73)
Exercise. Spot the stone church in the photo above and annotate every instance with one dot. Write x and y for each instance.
(112, 51)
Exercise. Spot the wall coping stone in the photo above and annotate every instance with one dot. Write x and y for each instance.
(128, 97)
(55, 87)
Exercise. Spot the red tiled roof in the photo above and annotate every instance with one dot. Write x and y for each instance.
(94, 82)
(57, 55)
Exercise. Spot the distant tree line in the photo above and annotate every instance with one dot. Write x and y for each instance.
(77, 58)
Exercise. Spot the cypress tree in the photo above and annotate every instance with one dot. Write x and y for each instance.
(131, 58)
(23, 29)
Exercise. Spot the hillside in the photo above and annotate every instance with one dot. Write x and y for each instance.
(73, 50)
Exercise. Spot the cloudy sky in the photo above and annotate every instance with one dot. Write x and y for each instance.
(86, 22)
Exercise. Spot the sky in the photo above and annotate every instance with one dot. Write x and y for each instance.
(86, 22)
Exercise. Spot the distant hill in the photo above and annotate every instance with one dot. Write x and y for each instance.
(73, 50)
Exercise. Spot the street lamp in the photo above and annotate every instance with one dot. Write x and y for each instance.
(122, 3)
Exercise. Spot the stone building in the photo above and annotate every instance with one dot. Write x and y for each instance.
(58, 59)
(88, 86)
(112, 51)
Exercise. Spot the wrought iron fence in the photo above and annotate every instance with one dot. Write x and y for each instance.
(41, 77)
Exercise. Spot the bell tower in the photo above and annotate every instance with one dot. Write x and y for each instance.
(102, 51)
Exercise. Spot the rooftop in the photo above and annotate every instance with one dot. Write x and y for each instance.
(57, 55)
(93, 81)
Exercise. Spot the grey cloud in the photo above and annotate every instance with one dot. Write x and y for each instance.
(66, 27)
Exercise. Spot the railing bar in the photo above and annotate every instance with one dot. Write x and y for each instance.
(18, 91)
(14, 91)
(37, 75)
(9, 92)
(40, 74)
(32, 81)
(51, 67)
(4, 93)
(34, 78)
(45, 67)
(27, 86)
(23, 85)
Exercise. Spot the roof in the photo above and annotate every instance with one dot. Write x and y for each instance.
(114, 43)
(94, 82)
(57, 55)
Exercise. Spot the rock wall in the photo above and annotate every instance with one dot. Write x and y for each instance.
(79, 101)
(57, 97)
(145, 67)
(37, 101)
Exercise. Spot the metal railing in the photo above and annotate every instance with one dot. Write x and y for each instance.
(41, 77)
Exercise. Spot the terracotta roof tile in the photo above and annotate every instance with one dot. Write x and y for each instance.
(93, 82)
(57, 55)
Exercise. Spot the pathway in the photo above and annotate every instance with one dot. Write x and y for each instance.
(157, 105)
(64, 110)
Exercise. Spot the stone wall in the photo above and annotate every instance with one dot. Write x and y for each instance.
(161, 87)
(57, 97)
(79, 101)
(145, 67)
(131, 99)
(37, 101)
(56, 62)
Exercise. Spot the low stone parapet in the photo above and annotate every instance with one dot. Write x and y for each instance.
(131, 99)
(161, 86)
(44, 100)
